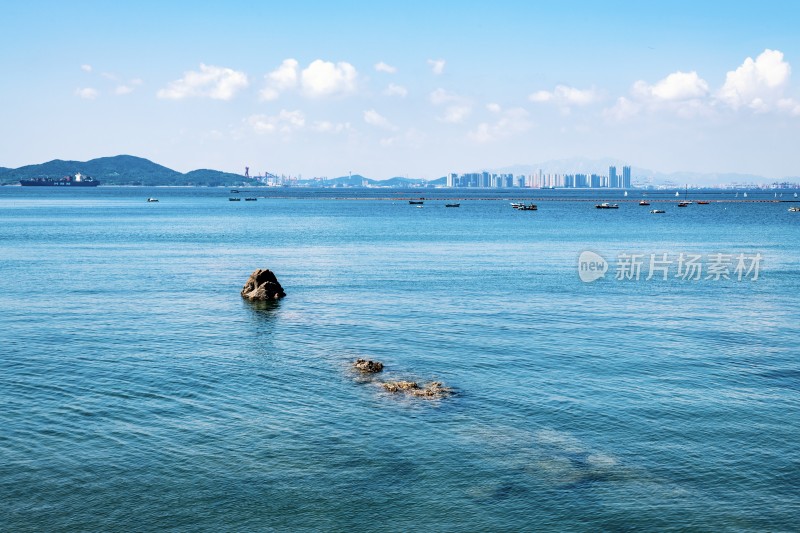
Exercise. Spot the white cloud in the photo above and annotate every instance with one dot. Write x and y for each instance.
(565, 96)
(285, 122)
(757, 83)
(383, 67)
(374, 118)
(441, 96)
(457, 107)
(509, 122)
(211, 82)
(324, 126)
(323, 78)
(127, 88)
(319, 79)
(87, 93)
(790, 105)
(395, 90)
(684, 94)
(437, 65)
(623, 109)
(456, 114)
(281, 79)
(86, 68)
(675, 87)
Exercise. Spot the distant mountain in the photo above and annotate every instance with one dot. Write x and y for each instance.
(215, 178)
(123, 170)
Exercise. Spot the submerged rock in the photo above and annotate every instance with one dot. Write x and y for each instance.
(368, 367)
(262, 286)
(434, 389)
(400, 386)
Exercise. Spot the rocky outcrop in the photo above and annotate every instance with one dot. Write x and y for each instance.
(400, 386)
(435, 389)
(368, 367)
(262, 286)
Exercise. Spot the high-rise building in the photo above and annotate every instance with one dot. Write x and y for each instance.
(613, 180)
(626, 177)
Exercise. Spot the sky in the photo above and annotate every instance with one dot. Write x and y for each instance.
(418, 89)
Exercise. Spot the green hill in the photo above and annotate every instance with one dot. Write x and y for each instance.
(122, 170)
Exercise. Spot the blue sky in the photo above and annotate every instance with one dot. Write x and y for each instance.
(321, 89)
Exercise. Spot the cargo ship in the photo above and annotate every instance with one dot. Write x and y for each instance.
(78, 180)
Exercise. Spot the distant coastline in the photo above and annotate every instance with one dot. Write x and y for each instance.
(127, 170)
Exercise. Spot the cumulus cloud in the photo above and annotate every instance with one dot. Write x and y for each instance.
(677, 86)
(374, 118)
(87, 93)
(508, 123)
(395, 90)
(86, 68)
(323, 78)
(565, 96)
(284, 122)
(456, 107)
(684, 94)
(437, 65)
(281, 79)
(319, 79)
(756, 83)
(383, 67)
(209, 82)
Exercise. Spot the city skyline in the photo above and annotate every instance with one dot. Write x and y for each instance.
(323, 90)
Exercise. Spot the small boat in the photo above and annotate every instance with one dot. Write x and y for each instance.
(794, 209)
(529, 207)
(152, 199)
(702, 202)
(606, 205)
(657, 211)
(745, 195)
(416, 202)
(685, 200)
(234, 191)
(644, 202)
(795, 195)
(452, 205)
(517, 205)
(234, 199)
(250, 199)
(420, 206)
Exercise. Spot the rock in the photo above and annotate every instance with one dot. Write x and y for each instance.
(368, 367)
(435, 389)
(262, 286)
(400, 386)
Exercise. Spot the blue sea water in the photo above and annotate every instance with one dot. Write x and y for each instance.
(140, 392)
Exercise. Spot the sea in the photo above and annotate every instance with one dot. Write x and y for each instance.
(611, 369)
